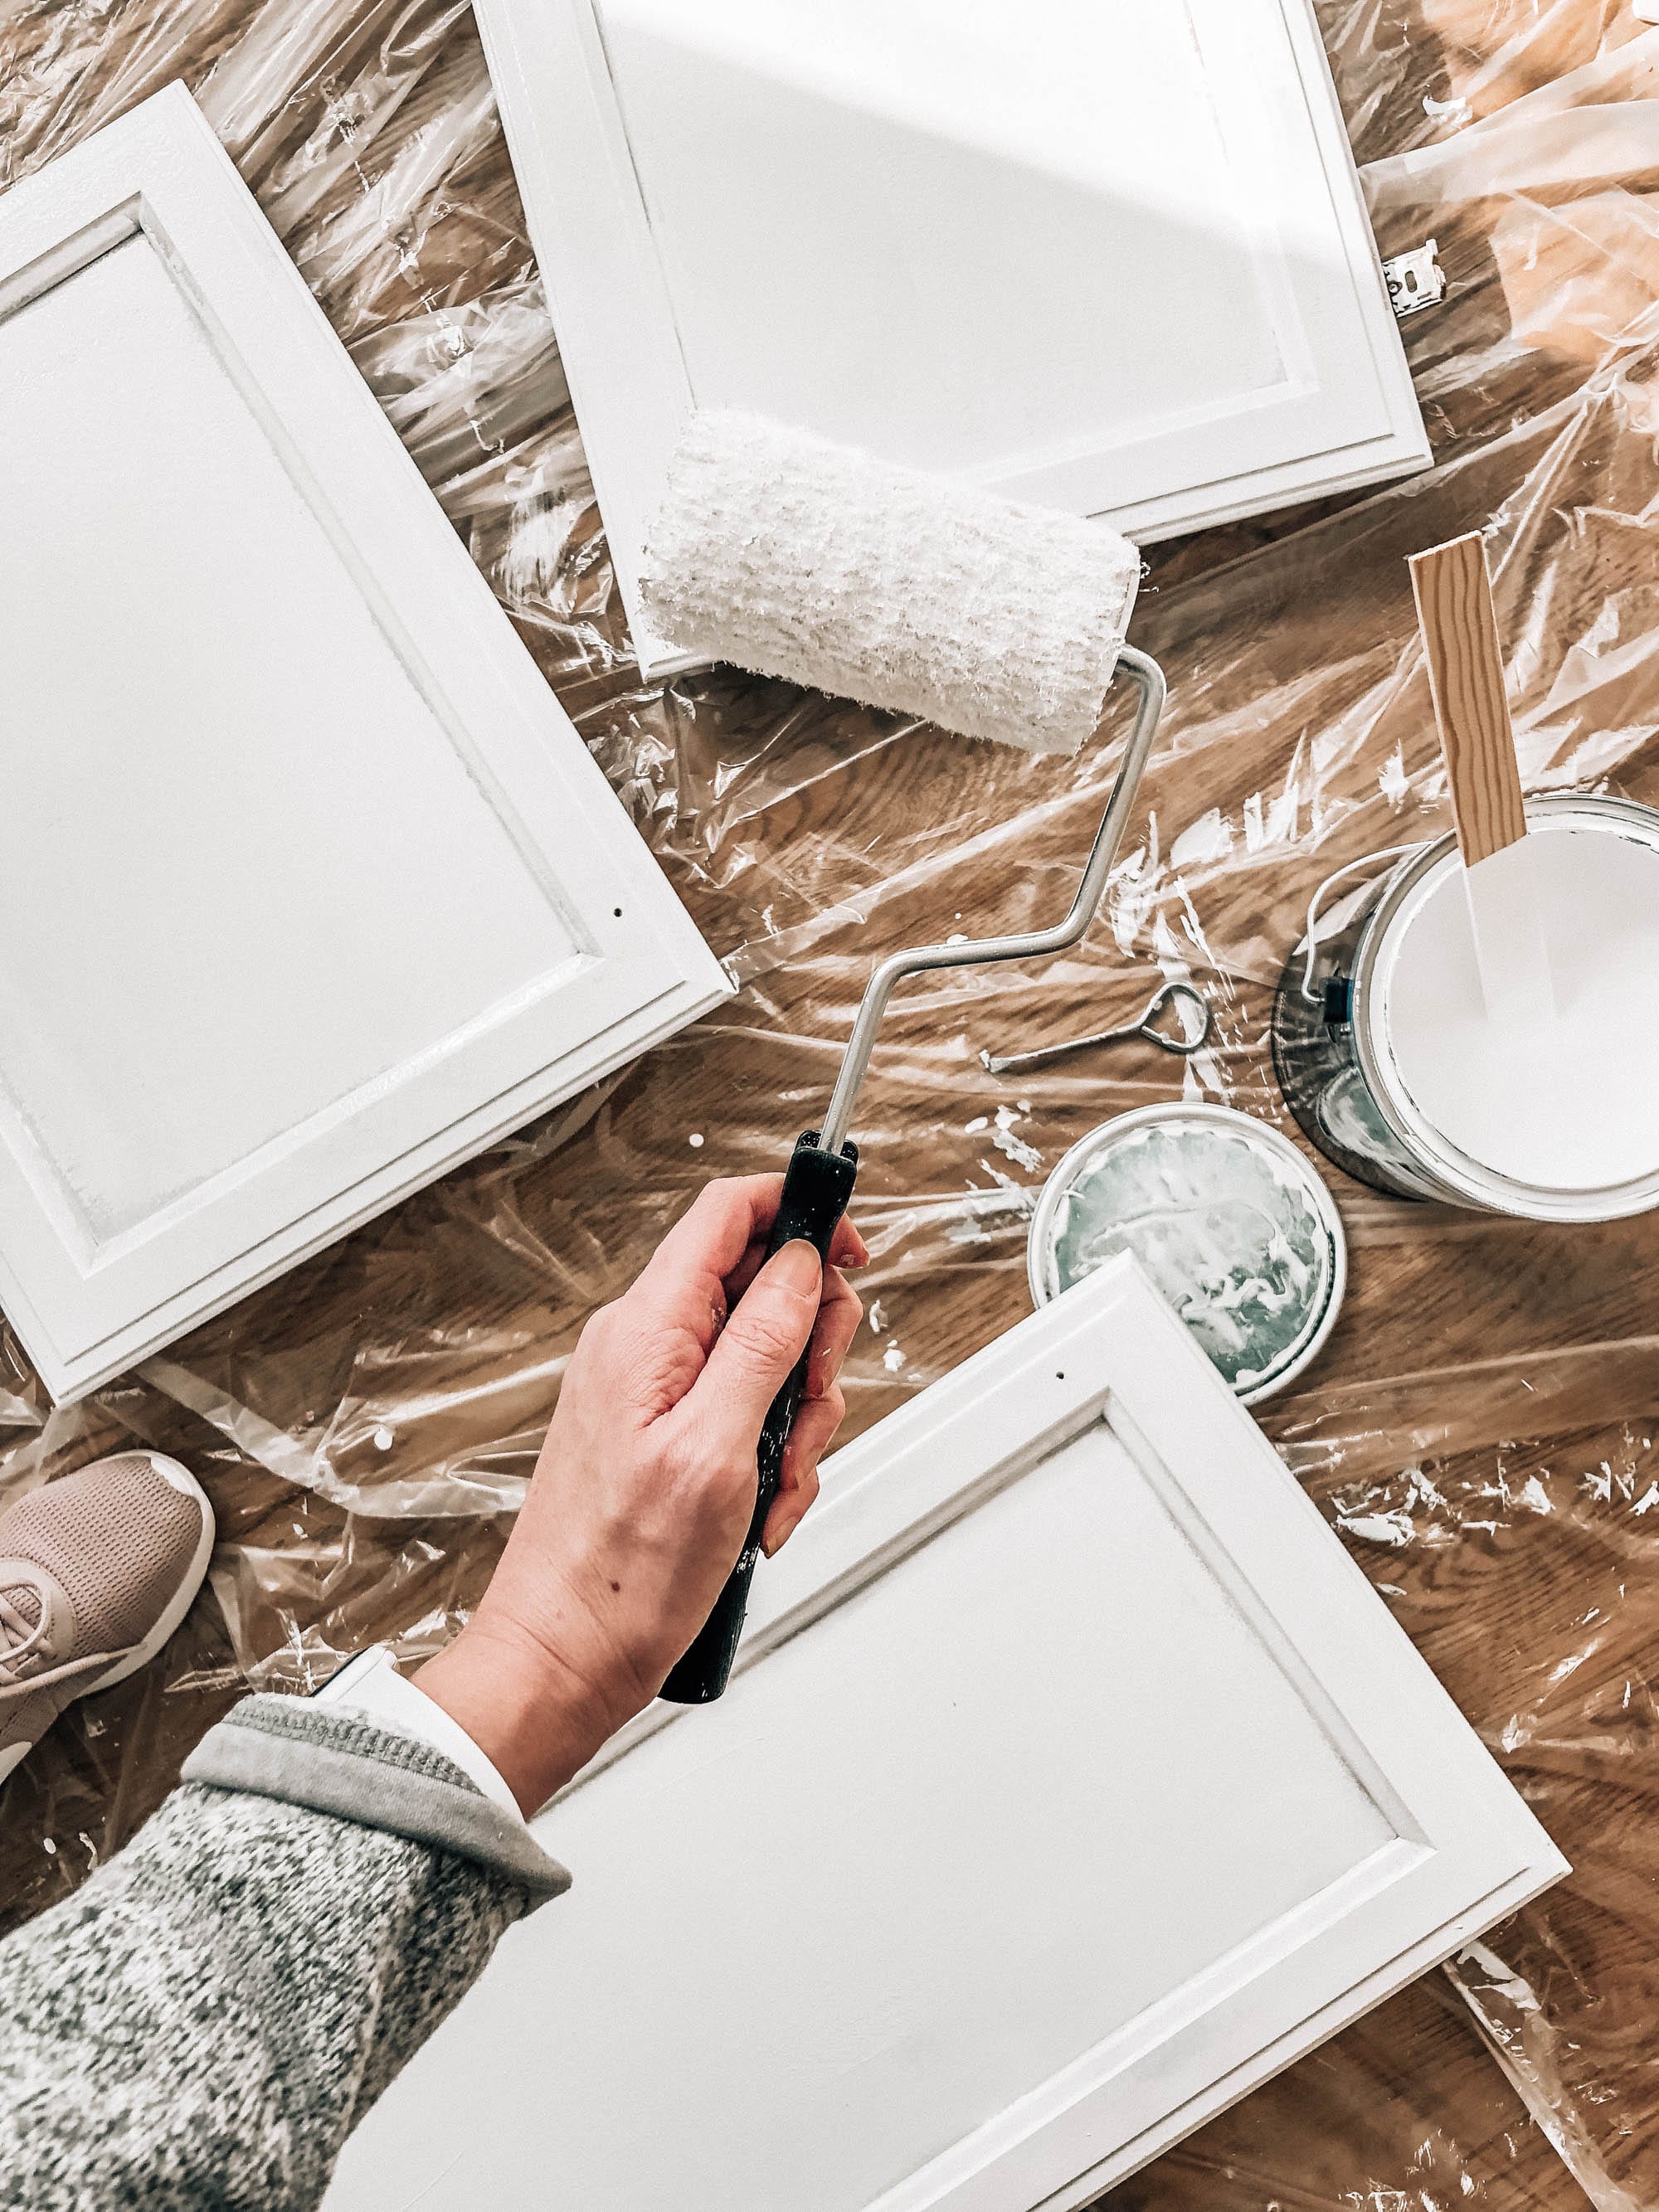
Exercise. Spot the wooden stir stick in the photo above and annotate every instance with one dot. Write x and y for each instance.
(1459, 624)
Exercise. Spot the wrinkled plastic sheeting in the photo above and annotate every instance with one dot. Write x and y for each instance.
(1480, 1429)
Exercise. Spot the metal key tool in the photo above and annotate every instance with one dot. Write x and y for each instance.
(1181, 995)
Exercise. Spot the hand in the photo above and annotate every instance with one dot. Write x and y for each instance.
(645, 1487)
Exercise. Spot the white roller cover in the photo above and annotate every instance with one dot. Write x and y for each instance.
(794, 557)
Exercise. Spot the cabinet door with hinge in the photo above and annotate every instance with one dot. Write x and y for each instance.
(1105, 255)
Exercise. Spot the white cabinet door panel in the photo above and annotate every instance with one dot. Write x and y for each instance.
(1072, 1781)
(1108, 255)
(311, 890)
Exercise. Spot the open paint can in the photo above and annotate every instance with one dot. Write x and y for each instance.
(1232, 1223)
(1391, 1066)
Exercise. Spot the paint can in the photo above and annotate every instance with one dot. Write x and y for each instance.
(1235, 1227)
(1389, 1064)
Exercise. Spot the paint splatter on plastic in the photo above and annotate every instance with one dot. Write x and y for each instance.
(1023, 1155)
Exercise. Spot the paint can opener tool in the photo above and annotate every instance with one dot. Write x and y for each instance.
(1193, 1010)
(819, 1184)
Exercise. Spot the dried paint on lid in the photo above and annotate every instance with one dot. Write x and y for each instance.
(1233, 1226)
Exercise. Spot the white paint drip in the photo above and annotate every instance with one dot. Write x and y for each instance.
(1396, 1528)
(1209, 838)
(1201, 1071)
(1421, 1488)
(1016, 1198)
(1022, 1154)
(892, 1359)
(877, 1317)
(1133, 887)
(1194, 928)
(983, 1212)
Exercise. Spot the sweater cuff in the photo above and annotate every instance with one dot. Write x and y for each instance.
(370, 1684)
(337, 1761)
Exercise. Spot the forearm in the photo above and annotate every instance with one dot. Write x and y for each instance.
(208, 2018)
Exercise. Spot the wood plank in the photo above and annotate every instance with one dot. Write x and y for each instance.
(1471, 704)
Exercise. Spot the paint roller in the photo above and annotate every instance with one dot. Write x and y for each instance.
(791, 556)
(782, 553)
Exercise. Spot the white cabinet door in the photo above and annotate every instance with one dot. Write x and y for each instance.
(1108, 255)
(1072, 1781)
(309, 888)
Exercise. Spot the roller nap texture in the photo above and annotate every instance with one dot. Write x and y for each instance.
(791, 556)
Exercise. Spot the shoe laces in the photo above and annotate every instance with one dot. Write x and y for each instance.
(21, 1639)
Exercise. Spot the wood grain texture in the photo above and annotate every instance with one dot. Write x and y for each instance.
(1459, 624)
(423, 1354)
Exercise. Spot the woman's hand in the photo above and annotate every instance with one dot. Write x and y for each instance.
(645, 1487)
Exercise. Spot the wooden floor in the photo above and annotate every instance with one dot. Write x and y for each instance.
(1482, 1424)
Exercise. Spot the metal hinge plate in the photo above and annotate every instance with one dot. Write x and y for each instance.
(1416, 280)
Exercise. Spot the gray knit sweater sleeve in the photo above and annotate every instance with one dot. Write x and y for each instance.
(201, 2025)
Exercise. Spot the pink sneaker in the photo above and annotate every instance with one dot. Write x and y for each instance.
(96, 1571)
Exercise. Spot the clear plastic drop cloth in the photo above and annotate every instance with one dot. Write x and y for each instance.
(1483, 1427)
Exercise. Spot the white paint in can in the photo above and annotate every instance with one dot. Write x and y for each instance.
(1565, 1103)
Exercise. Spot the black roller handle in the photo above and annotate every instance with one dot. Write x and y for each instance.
(816, 1190)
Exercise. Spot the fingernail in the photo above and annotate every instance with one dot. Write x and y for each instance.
(770, 1546)
(797, 1267)
(769, 1542)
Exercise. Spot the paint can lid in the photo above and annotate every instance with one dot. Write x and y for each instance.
(1235, 1227)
